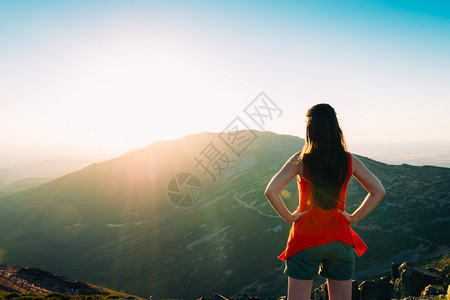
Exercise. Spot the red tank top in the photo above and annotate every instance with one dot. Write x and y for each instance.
(320, 227)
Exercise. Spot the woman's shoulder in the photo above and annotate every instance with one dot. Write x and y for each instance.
(354, 157)
(297, 155)
(351, 155)
(356, 163)
(296, 158)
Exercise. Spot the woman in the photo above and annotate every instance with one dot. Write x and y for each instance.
(321, 240)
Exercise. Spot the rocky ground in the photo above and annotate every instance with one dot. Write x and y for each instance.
(405, 282)
(36, 280)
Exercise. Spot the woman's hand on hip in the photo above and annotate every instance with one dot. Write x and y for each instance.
(297, 214)
(348, 216)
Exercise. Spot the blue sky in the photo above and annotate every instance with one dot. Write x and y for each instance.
(123, 74)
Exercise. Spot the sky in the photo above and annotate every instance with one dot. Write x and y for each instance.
(87, 76)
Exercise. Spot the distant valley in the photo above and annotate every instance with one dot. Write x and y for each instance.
(18, 176)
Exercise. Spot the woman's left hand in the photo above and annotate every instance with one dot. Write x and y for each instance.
(348, 216)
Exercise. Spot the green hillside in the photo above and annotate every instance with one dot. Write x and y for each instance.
(114, 224)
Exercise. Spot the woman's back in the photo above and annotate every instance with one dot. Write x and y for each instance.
(320, 240)
(321, 226)
(321, 218)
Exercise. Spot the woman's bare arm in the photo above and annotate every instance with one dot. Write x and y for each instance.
(372, 185)
(277, 184)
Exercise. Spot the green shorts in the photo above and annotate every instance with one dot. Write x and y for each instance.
(335, 261)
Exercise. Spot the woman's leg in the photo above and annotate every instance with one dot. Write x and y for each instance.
(299, 289)
(339, 289)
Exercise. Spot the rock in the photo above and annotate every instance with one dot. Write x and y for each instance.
(355, 290)
(217, 297)
(55, 283)
(432, 290)
(409, 264)
(243, 297)
(320, 292)
(446, 276)
(432, 270)
(394, 271)
(379, 289)
(412, 281)
(246, 297)
(45, 281)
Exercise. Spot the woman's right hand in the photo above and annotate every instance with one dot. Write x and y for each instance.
(296, 215)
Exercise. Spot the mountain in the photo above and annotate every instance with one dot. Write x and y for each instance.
(40, 170)
(188, 217)
(22, 184)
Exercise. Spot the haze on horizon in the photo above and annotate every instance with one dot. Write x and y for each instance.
(99, 78)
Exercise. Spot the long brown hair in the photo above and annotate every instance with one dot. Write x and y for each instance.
(325, 161)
